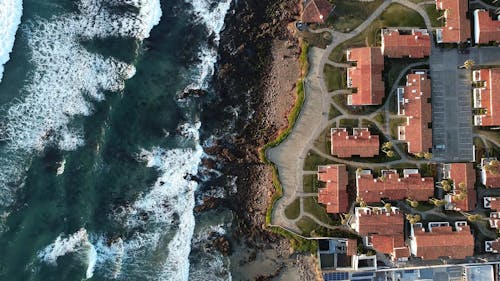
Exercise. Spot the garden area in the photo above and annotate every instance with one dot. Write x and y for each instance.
(349, 14)
(335, 78)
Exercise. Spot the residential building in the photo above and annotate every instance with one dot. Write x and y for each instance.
(486, 30)
(416, 44)
(334, 195)
(457, 25)
(391, 185)
(490, 172)
(492, 246)
(463, 177)
(337, 253)
(316, 11)
(414, 104)
(361, 143)
(366, 77)
(492, 203)
(486, 97)
(494, 220)
(383, 230)
(442, 241)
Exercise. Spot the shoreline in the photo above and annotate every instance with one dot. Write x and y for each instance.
(268, 57)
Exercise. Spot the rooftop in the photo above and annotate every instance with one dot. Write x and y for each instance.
(463, 176)
(366, 76)
(457, 26)
(316, 11)
(391, 185)
(486, 96)
(490, 172)
(492, 203)
(417, 109)
(442, 241)
(334, 195)
(361, 143)
(486, 29)
(417, 44)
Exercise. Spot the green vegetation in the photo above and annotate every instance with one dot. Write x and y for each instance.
(310, 183)
(424, 206)
(313, 160)
(306, 225)
(320, 40)
(380, 118)
(335, 78)
(298, 243)
(348, 123)
(292, 211)
(334, 112)
(350, 14)
(323, 142)
(395, 15)
(435, 16)
(316, 210)
(393, 126)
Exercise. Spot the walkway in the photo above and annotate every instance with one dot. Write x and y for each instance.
(289, 156)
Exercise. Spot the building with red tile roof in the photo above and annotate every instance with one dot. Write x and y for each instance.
(442, 241)
(494, 220)
(391, 185)
(417, 44)
(316, 11)
(492, 203)
(361, 143)
(490, 172)
(366, 76)
(457, 25)
(414, 104)
(487, 96)
(383, 230)
(486, 29)
(492, 246)
(463, 177)
(334, 195)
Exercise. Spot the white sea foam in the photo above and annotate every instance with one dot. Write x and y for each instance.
(10, 18)
(66, 80)
(77, 242)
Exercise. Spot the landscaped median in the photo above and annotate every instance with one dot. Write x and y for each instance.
(298, 243)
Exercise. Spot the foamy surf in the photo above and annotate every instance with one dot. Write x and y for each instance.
(10, 18)
(66, 80)
(77, 242)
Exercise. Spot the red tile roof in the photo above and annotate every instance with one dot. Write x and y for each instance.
(385, 231)
(457, 27)
(495, 203)
(490, 95)
(366, 76)
(361, 143)
(495, 246)
(334, 195)
(464, 173)
(316, 11)
(494, 220)
(352, 247)
(390, 185)
(444, 242)
(417, 109)
(486, 29)
(414, 45)
(491, 177)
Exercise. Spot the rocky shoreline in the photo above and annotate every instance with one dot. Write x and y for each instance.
(256, 74)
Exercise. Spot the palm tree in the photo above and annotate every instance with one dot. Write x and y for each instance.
(462, 186)
(459, 197)
(437, 202)
(413, 219)
(389, 153)
(468, 64)
(445, 185)
(388, 207)
(473, 218)
(413, 203)
(387, 145)
(427, 155)
(419, 154)
(362, 203)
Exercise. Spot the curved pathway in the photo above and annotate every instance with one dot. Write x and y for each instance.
(289, 156)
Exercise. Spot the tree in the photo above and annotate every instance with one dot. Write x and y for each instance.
(413, 219)
(362, 203)
(427, 155)
(413, 203)
(491, 167)
(419, 154)
(437, 202)
(388, 207)
(468, 64)
(389, 153)
(446, 185)
(344, 218)
(473, 218)
(387, 145)
(459, 197)
(462, 186)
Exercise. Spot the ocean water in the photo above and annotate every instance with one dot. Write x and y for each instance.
(99, 159)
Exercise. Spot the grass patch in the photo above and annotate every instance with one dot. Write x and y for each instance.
(335, 77)
(298, 243)
(400, 166)
(349, 14)
(348, 123)
(392, 69)
(380, 118)
(323, 142)
(292, 211)
(395, 15)
(320, 40)
(393, 125)
(316, 210)
(310, 184)
(434, 14)
(313, 160)
(424, 207)
(306, 225)
(334, 112)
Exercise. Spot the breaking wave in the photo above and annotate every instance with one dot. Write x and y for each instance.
(66, 80)
(10, 18)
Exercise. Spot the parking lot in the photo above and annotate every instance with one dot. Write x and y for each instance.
(451, 107)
